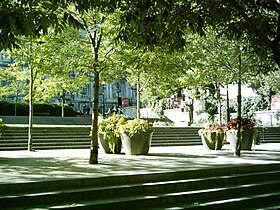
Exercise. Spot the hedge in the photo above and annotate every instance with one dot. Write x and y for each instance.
(7, 108)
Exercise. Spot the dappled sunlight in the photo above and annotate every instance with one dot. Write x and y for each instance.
(21, 166)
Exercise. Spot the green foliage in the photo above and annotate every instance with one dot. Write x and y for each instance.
(264, 84)
(158, 105)
(249, 105)
(211, 109)
(33, 17)
(7, 108)
(2, 126)
(110, 126)
(277, 116)
(136, 126)
(164, 23)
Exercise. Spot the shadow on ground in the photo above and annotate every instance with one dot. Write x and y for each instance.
(22, 166)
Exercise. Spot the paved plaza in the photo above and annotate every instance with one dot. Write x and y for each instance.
(42, 165)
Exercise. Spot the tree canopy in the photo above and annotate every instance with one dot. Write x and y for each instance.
(157, 22)
(34, 17)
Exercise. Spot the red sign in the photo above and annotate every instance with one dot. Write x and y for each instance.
(125, 102)
(275, 102)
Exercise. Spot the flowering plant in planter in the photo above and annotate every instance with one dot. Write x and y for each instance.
(249, 134)
(136, 136)
(213, 136)
(108, 129)
(2, 126)
(110, 126)
(135, 126)
(246, 124)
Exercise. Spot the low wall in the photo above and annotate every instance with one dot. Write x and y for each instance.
(268, 118)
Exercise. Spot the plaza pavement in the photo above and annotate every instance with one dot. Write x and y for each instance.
(43, 165)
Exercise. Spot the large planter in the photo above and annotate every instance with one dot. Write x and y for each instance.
(108, 146)
(138, 144)
(212, 141)
(246, 139)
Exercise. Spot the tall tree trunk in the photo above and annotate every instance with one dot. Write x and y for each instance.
(94, 129)
(238, 143)
(30, 127)
(16, 102)
(95, 41)
(228, 111)
(138, 96)
(62, 103)
(219, 103)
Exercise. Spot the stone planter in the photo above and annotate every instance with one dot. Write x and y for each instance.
(246, 139)
(138, 144)
(212, 142)
(108, 146)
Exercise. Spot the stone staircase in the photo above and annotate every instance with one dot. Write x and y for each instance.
(77, 137)
(66, 137)
(225, 187)
(176, 136)
(269, 134)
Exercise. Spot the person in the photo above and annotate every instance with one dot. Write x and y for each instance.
(119, 110)
(84, 109)
(189, 104)
(112, 111)
(115, 110)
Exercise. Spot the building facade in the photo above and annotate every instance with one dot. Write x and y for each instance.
(120, 93)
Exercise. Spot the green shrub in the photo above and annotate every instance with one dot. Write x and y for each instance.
(135, 126)
(2, 126)
(7, 108)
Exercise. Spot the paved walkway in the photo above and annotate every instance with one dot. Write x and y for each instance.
(24, 166)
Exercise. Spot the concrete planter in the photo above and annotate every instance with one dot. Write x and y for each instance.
(212, 142)
(110, 146)
(138, 144)
(246, 139)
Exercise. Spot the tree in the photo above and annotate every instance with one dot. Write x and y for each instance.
(99, 45)
(157, 23)
(30, 64)
(12, 82)
(33, 17)
(46, 70)
(62, 73)
(137, 67)
(224, 62)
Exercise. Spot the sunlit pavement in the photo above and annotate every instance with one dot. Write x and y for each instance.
(25, 166)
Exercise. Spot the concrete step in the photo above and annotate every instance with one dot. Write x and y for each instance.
(260, 201)
(147, 190)
(15, 138)
(152, 201)
(64, 137)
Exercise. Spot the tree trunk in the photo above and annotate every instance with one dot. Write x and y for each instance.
(219, 103)
(228, 111)
(138, 96)
(238, 143)
(16, 102)
(94, 129)
(62, 104)
(30, 127)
